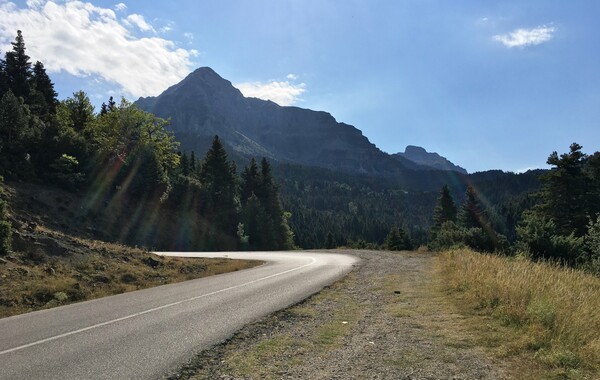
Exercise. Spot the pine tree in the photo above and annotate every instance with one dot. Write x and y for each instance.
(185, 165)
(471, 215)
(219, 182)
(3, 78)
(18, 68)
(103, 109)
(112, 105)
(397, 240)
(250, 181)
(262, 208)
(565, 191)
(192, 163)
(329, 241)
(445, 210)
(81, 110)
(44, 86)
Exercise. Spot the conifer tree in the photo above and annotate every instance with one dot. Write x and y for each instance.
(3, 78)
(18, 68)
(184, 164)
(329, 241)
(44, 86)
(565, 192)
(250, 181)
(397, 240)
(14, 130)
(103, 109)
(219, 182)
(445, 210)
(80, 109)
(471, 215)
(192, 163)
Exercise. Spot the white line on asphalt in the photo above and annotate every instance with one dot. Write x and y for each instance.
(313, 260)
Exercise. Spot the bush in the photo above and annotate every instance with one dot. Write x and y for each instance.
(66, 171)
(451, 236)
(539, 239)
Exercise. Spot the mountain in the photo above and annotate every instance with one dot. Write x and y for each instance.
(433, 160)
(204, 104)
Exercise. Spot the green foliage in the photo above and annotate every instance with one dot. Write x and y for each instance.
(80, 110)
(445, 211)
(330, 241)
(5, 228)
(18, 68)
(540, 238)
(591, 260)
(397, 240)
(66, 171)
(17, 136)
(570, 190)
(43, 100)
(262, 213)
(219, 188)
(472, 228)
(471, 214)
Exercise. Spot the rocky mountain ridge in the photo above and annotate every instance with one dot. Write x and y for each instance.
(204, 104)
(420, 156)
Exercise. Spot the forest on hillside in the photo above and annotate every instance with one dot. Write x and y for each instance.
(128, 169)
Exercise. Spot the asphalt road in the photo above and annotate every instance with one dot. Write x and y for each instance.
(149, 333)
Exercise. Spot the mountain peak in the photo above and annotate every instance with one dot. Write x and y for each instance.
(205, 72)
(420, 156)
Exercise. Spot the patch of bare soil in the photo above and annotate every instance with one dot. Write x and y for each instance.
(388, 319)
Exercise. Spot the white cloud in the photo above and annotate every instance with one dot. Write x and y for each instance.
(138, 20)
(291, 76)
(35, 3)
(84, 40)
(166, 29)
(121, 7)
(189, 36)
(526, 37)
(283, 93)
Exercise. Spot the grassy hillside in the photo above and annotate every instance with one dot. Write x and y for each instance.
(56, 259)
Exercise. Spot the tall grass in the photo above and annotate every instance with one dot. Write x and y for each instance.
(556, 310)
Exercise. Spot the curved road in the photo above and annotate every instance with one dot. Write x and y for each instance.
(149, 333)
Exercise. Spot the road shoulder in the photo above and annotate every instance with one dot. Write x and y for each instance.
(386, 319)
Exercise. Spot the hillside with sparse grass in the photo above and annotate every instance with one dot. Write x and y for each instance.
(56, 260)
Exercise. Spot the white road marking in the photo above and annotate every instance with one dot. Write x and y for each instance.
(313, 260)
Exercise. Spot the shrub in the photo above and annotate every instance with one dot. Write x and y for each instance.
(539, 239)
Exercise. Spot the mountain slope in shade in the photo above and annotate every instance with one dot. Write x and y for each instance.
(204, 105)
(433, 160)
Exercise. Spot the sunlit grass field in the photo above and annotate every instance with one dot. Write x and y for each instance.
(547, 314)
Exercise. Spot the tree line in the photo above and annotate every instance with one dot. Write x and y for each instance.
(128, 168)
(560, 223)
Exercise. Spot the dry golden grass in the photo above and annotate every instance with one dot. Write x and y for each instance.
(94, 269)
(548, 314)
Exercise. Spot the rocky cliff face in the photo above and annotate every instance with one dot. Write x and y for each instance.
(204, 105)
(433, 160)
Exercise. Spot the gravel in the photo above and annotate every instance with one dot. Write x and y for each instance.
(388, 319)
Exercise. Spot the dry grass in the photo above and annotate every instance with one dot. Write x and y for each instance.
(32, 281)
(545, 315)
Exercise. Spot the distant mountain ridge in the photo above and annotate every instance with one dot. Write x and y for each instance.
(420, 156)
(204, 104)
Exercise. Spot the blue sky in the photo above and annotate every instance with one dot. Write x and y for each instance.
(487, 84)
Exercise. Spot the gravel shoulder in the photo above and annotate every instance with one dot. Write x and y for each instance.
(388, 319)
